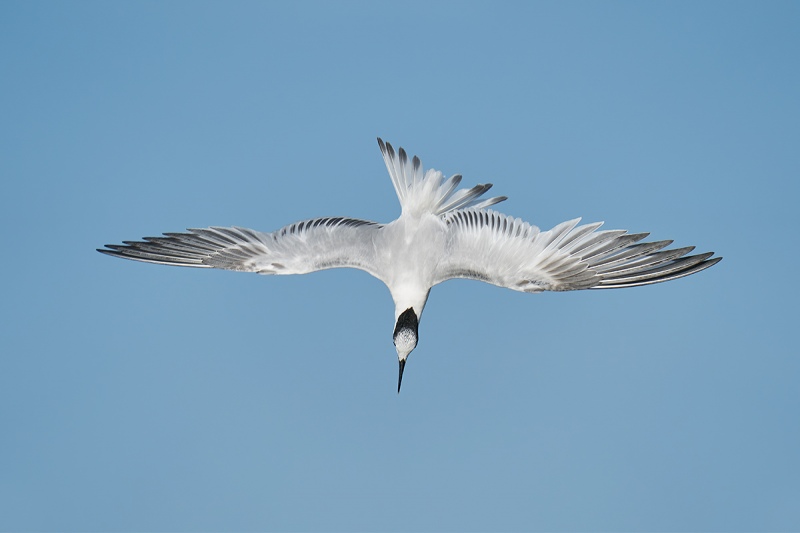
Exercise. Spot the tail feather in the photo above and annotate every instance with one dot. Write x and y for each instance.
(429, 192)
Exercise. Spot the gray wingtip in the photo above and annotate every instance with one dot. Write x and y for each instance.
(694, 264)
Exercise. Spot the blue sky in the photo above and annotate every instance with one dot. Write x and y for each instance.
(140, 397)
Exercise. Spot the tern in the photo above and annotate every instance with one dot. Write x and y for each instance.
(442, 233)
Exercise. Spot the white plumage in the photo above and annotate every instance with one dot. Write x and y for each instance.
(442, 233)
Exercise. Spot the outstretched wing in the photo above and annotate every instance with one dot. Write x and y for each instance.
(508, 252)
(299, 248)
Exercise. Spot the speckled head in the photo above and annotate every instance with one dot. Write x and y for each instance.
(405, 338)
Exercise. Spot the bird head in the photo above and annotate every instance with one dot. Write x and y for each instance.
(405, 338)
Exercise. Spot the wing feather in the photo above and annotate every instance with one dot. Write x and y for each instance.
(299, 248)
(508, 252)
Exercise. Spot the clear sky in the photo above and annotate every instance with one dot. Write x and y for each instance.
(142, 397)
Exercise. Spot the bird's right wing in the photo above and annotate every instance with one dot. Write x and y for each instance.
(299, 248)
(508, 252)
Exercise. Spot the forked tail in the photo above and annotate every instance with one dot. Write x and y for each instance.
(429, 192)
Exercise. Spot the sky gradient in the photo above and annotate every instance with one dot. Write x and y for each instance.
(136, 397)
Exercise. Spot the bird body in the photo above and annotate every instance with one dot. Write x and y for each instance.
(442, 233)
(409, 250)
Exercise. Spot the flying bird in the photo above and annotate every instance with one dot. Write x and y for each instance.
(442, 233)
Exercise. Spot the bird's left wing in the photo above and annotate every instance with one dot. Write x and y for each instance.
(508, 252)
(299, 248)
